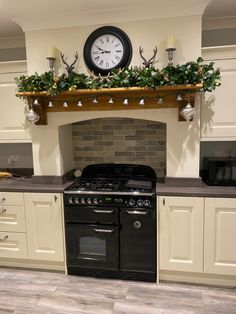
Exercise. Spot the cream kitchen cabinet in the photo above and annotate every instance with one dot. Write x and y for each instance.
(13, 243)
(44, 226)
(219, 236)
(198, 235)
(181, 233)
(13, 127)
(218, 112)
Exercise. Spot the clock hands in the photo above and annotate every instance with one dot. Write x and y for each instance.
(102, 50)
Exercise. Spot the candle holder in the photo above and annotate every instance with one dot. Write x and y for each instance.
(51, 61)
(170, 55)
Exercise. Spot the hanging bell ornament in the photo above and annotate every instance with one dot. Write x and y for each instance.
(110, 101)
(188, 112)
(32, 116)
(142, 102)
(126, 101)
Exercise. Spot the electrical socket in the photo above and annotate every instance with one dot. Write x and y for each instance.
(12, 159)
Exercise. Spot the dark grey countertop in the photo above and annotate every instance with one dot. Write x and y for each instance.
(26, 185)
(196, 191)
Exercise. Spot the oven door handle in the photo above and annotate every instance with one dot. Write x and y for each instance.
(103, 230)
(136, 212)
(102, 211)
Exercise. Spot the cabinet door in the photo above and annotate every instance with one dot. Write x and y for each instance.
(44, 226)
(13, 127)
(218, 115)
(220, 235)
(181, 233)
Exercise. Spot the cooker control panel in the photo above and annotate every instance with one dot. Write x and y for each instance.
(146, 201)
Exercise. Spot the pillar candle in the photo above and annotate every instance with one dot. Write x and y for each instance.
(51, 52)
(170, 42)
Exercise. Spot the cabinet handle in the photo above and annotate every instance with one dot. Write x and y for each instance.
(103, 230)
(4, 238)
(3, 211)
(55, 198)
(164, 202)
(3, 199)
(136, 212)
(101, 211)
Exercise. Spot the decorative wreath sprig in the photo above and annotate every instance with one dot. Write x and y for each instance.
(189, 73)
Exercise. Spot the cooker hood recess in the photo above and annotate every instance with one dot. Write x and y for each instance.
(111, 99)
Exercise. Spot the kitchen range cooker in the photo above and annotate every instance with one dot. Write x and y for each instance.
(110, 222)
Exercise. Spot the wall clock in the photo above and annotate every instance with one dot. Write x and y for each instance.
(107, 48)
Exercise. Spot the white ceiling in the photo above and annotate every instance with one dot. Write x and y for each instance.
(34, 10)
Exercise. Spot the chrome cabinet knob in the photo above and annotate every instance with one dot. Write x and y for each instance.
(137, 224)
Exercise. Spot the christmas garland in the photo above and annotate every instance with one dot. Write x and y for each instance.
(189, 73)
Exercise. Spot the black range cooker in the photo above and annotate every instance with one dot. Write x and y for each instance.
(110, 222)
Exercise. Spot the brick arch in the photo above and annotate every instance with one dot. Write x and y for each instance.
(120, 140)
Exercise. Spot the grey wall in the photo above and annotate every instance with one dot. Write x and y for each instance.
(23, 150)
(120, 140)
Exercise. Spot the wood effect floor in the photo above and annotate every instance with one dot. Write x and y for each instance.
(24, 292)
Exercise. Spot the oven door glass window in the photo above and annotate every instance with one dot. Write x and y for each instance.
(92, 248)
(92, 245)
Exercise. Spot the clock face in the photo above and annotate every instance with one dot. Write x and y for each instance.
(107, 51)
(107, 48)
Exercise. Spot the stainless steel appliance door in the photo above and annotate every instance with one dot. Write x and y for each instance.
(93, 246)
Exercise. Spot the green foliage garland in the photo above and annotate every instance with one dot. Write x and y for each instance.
(151, 77)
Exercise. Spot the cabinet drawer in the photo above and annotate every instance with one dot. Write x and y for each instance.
(12, 218)
(11, 198)
(13, 245)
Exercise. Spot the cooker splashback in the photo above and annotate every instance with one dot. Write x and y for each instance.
(120, 140)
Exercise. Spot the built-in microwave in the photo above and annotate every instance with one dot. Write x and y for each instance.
(219, 170)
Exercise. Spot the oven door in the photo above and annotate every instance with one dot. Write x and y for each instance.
(92, 246)
(138, 240)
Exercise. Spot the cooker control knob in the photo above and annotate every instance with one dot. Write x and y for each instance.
(76, 200)
(140, 202)
(89, 201)
(83, 201)
(147, 203)
(70, 200)
(95, 201)
(131, 202)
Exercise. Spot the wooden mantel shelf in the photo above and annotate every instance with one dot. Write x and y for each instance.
(162, 97)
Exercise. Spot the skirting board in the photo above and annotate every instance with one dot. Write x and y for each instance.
(209, 279)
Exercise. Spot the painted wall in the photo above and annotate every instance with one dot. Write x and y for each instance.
(182, 138)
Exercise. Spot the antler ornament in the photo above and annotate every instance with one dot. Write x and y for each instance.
(69, 68)
(148, 63)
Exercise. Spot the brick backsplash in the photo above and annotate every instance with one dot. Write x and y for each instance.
(120, 140)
